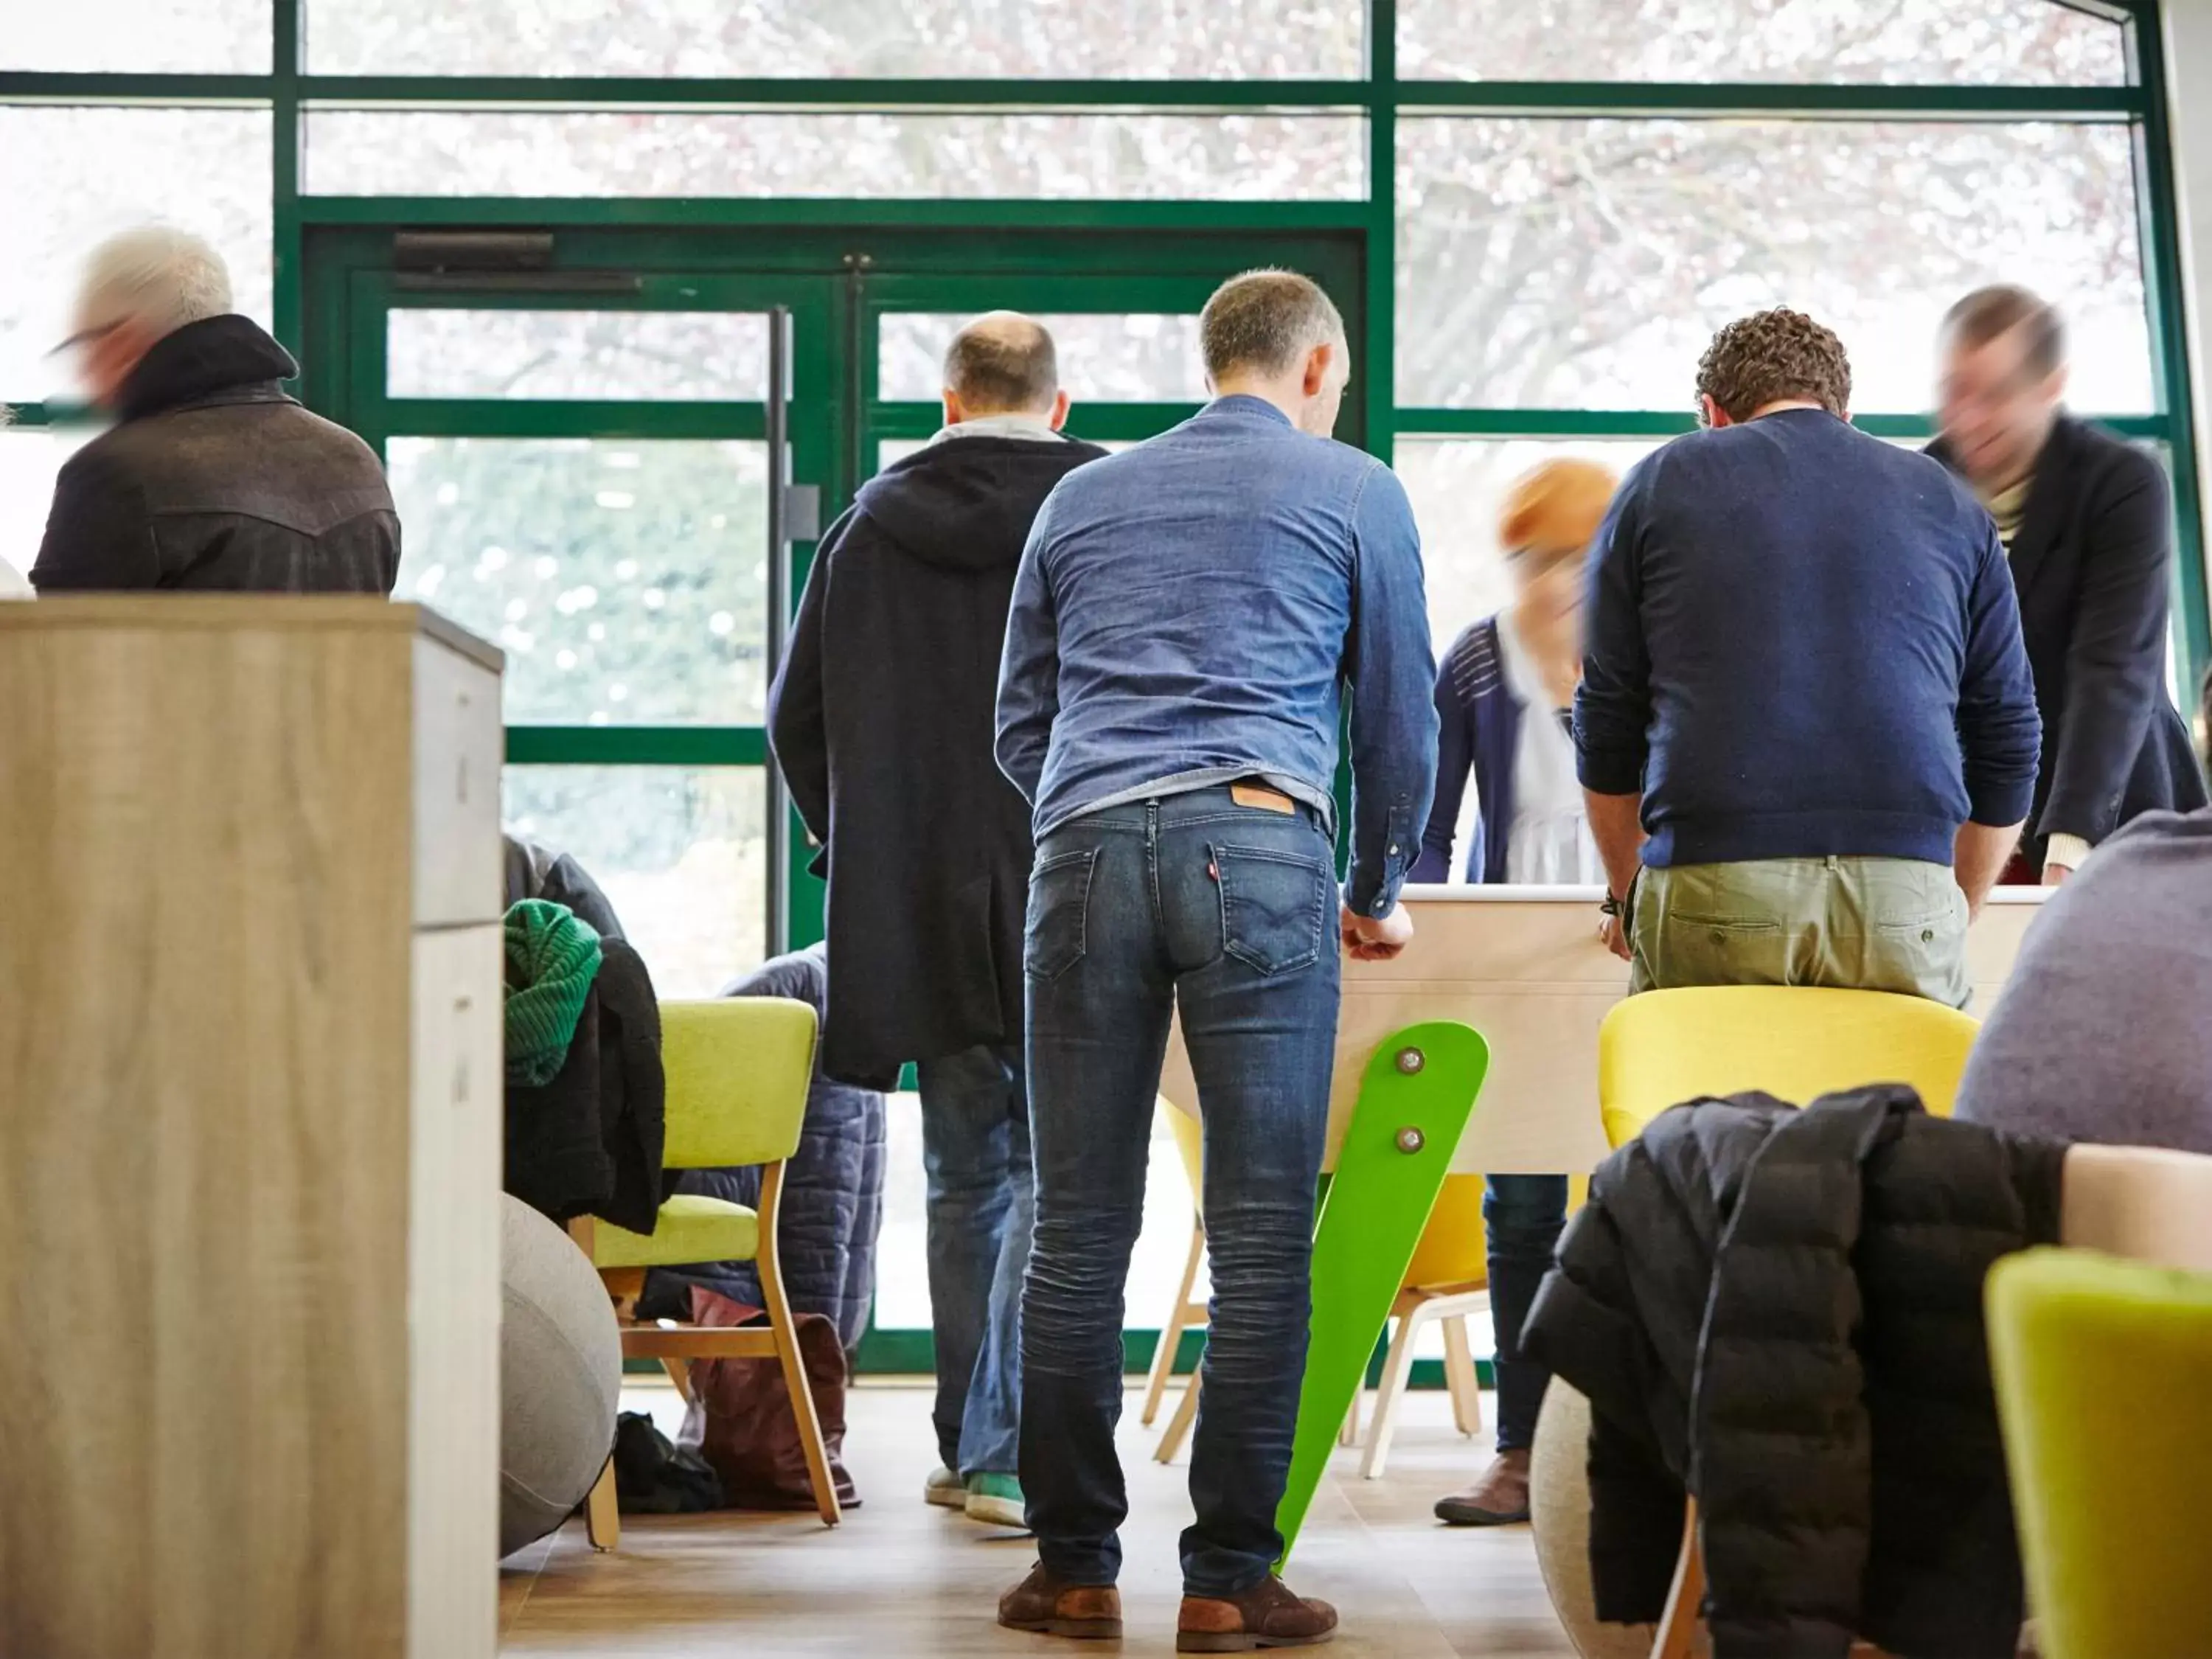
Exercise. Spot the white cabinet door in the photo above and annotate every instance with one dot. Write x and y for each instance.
(459, 745)
(453, 1296)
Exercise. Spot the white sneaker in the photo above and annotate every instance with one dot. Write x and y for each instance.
(944, 1489)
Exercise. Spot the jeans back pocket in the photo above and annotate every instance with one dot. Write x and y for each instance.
(1275, 906)
(1057, 932)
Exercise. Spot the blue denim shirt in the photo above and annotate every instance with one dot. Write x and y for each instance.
(1190, 611)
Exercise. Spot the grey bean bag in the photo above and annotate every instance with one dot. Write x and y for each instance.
(560, 1377)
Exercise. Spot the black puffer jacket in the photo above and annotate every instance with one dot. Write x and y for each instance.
(1782, 1310)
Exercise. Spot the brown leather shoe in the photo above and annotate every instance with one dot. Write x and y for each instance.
(1084, 1612)
(1499, 1498)
(1266, 1616)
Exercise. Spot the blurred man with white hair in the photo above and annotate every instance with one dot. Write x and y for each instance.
(212, 477)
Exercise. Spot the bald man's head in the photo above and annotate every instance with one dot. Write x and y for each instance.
(1003, 363)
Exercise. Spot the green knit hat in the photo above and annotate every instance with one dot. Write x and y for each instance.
(551, 960)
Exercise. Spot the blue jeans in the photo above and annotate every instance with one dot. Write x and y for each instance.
(1523, 1215)
(976, 1154)
(1227, 912)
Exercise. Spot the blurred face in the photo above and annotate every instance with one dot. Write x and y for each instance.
(103, 354)
(1997, 409)
(1547, 583)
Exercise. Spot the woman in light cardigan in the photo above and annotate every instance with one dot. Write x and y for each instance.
(1503, 696)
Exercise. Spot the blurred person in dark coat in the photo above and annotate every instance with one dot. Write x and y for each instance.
(212, 476)
(2087, 523)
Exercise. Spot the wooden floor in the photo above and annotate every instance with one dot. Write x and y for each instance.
(900, 1580)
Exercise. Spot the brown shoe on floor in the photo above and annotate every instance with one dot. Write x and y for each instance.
(1085, 1612)
(1499, 1498)
(1268, 1615)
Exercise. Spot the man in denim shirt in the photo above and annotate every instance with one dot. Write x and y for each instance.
(1187, 620)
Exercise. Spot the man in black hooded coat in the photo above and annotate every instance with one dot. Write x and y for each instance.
(881, 720)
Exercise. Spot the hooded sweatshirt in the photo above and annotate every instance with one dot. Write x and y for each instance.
(881, 720)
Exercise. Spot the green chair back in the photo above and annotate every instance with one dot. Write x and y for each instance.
(2104, 1367)
(738, 1073)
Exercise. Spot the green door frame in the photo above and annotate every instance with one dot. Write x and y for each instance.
(839, 278)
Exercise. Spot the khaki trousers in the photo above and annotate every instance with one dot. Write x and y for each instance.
(1859, 923)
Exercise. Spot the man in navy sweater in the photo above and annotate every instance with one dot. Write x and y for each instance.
(1807, 729)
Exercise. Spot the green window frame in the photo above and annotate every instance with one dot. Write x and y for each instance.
(1381, 96)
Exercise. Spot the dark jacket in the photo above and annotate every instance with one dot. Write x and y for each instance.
(1802, 643)
(832, 1187)
(2092, 563)
(1479, 731)
(1782, 1312)
(881, 720)
(214, 478)
(539, 872)
(590, 1141)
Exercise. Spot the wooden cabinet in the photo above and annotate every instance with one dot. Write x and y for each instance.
(249, 1130)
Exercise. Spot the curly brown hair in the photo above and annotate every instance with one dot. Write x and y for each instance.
(1772, 355)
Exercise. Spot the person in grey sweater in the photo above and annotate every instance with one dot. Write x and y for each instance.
(2101, 1034)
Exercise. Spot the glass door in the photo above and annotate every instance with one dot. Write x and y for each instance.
(594, 469)
(606, 473)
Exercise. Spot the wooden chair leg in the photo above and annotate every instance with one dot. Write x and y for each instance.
(1677, 1634)
(787, 1350)
(1178, 1429)
(1397, 1370)
(1155, 1385)
(602, 1514)
(1460, 1377)
(1349, 1434)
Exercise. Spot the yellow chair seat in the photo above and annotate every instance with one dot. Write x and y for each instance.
(1794, 1042)
(692, 1229)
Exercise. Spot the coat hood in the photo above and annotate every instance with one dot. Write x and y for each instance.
(216, 354)
(967, 503)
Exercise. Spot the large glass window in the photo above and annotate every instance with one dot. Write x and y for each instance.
(174, 37)
(1921, 42)
(71, 175)
(29, 459)
(661, 355)
(1584, 264)
(627, 581)
(681, 851)
(1104, 357)
(960, 40)
(1257, 157)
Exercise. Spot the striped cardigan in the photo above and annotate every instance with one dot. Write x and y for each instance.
(1479, 721)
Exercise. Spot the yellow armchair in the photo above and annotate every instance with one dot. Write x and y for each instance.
(737, 1071)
